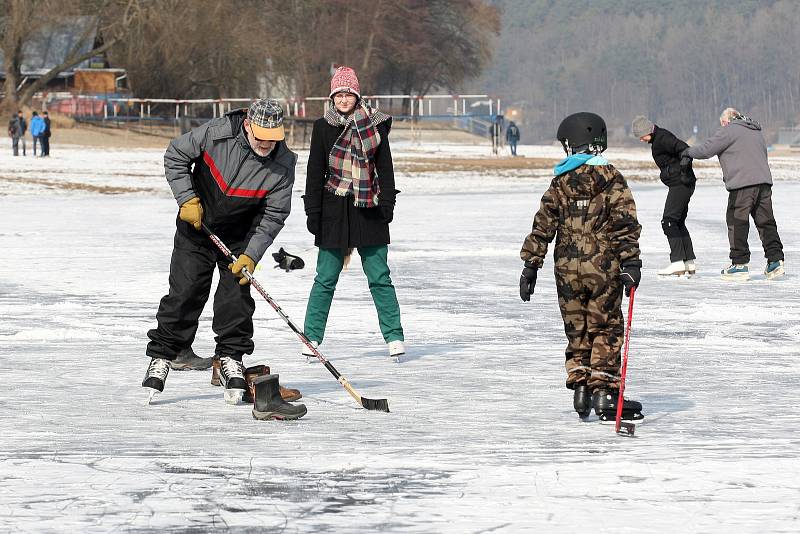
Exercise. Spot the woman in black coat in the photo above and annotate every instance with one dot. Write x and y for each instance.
(349, 201)
(680, 179)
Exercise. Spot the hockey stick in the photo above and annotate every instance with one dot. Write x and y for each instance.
(381, 405)
(624, 427)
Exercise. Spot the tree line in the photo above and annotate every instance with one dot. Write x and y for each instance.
(680, 62)
(240, 48)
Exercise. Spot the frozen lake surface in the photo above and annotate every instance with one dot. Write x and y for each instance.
(481, 437)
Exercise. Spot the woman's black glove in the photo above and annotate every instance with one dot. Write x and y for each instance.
(387, 212)
(313, 222)
(527, 281)
(631, 275)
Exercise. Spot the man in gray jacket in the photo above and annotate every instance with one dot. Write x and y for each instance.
(742, 154)
(234, 174)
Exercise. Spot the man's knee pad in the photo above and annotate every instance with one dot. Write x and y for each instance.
(671, 227)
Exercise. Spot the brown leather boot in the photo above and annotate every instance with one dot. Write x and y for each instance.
(215, 380)
(250, 374)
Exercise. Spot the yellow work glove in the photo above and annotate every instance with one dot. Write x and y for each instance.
(241, 262)
(192, 212)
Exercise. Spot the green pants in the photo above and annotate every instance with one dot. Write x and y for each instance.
(329, 264)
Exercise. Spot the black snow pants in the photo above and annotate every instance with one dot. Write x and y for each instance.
(190, 275)
(753, 201)
(676, 208)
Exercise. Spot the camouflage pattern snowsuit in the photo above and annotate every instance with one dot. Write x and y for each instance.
(592, 213)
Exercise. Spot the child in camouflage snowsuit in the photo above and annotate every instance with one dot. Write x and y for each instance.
(590, 211)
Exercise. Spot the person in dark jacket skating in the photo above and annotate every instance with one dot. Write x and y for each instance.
(349, 201)
(680, 180)
(235, 175)
(742, 153)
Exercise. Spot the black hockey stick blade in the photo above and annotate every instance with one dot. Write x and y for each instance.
(626, 429)
(380, 405)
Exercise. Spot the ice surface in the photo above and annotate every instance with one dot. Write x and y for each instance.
(481, 437)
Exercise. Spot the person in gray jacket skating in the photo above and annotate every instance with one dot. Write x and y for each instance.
(235, 175)
(742, 153)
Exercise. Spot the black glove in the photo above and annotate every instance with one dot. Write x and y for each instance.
(631, 275)
(387, 212)
(313, 222)
(527, 281)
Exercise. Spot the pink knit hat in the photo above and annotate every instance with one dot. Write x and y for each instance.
(345, 80)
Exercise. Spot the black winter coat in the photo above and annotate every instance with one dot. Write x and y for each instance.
(667, 154)
(342, 224)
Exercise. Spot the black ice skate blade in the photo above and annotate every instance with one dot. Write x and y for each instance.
(612, 420)
(378, 405)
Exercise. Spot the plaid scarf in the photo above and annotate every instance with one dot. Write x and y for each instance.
(350, 163)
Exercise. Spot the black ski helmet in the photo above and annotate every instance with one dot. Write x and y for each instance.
(583, 131)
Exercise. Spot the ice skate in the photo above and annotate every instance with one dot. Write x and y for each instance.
(582, 401)
(269, 404)
(737, 272)
(187, 360)
(605, 406)
(231, 373)
(396, 350)
(310, 357)
(155, 377)
(774, 270)
(690, 268)
(676, 268)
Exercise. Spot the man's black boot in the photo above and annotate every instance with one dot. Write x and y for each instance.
(269, 404)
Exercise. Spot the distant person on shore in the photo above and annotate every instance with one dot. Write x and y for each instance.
(512, 137)
(14, 132)
(37, 129)
(23, 127)
(349, 201)
(666, 150)
(46, 135)
(742, 153)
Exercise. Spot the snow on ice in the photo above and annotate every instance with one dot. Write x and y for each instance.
(481, 437)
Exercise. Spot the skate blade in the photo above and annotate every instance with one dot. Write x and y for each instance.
(775, 275)
(735, 277)
(613, 420)
(678, 274)
(151, 395)
(396, 358)
(234, 396)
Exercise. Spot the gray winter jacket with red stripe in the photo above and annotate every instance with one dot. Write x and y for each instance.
(245, 198)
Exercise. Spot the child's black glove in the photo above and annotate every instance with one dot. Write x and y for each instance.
(527, 281)
(631, 275)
